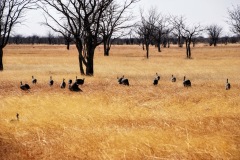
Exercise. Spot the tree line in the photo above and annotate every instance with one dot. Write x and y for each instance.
(89, 23)
(60, 40)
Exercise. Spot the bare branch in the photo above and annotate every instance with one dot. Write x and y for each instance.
(234, 19)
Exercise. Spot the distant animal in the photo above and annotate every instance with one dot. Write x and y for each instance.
(186, 83)
(15, 120)
(74, 87)
(228, 85)
(24, 86)
(80, 81)
(155, 81)
(157, 76)
(17, 115)
(120, 80)
(34, 80)
(51, 81)
(69, 81)
(123, 81)
(63, 84)
(173, 79)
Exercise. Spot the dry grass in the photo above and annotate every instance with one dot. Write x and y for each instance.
(109, 121)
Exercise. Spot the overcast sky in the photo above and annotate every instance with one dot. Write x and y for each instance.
(205, 12)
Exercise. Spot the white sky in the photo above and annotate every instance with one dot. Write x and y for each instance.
(205, 12)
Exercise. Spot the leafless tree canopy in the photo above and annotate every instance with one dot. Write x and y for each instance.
(188, 34)
(214, 32)
(184, 32)
(234, 19)
(161, 31)
(11, 14)
(87, 21)
(178, 23)
(146, 28)
(114, 22)
(80, 19)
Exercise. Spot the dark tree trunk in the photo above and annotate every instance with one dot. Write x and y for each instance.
(143, 46)
(159, 40)
(188, 48)
(147, 48)
(159, 46)
(80, 59)
(68, 41)
(68, 45)
(89, 65)
(80, 56)
(189, 51)
(214, 42)
(1, 59)
(106, 52)
(165, 42)
(106, 46)
(179, 41)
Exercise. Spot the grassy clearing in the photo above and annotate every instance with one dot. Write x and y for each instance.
(109, 121)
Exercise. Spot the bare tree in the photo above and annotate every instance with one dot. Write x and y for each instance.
(166, 37)
(214, 31)
(17, 38)
(225, 39)
(146, 28)
(178, 23)
(11, 14)
(113, 21)
(188, 34)
(234, 19)
(68, 40)
(160, 29)
(34, 39)
(67, 37)
(83, 19)
(50, 37)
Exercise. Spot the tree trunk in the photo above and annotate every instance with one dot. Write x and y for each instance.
(147, 48)
(159, 40)
(106, 52)
(68, 45)
(90, 56)
(164, 42)
(80, 56)
(179, 41)
(159, 46)
(188, 48)
(168, 41)
(189, 51)
(80, 59)
(215, 43)
(1, 59)
(106, 48)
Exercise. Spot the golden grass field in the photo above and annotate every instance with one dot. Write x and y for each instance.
(110, 121)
